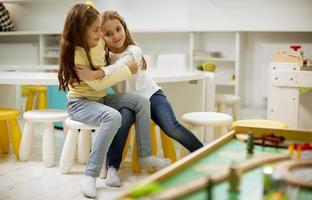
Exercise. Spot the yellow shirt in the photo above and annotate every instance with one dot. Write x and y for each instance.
(95, 89)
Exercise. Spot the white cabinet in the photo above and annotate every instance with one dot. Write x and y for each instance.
(49, 48)
(223, 49)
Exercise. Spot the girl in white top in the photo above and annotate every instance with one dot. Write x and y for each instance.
(120, 49)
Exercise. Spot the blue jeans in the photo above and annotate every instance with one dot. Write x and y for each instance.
(162, 114)
(114, 155)
(104, 113)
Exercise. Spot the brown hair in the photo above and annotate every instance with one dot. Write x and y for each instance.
(110, 15)
(74, 34)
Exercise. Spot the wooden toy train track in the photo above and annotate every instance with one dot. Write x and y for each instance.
(179, 191)
(286, 169)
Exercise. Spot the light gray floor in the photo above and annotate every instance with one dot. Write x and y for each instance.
(31, 180)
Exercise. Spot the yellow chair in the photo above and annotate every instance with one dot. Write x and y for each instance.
(9, 124)
(32, 92)
(260, 123)
(166, 142)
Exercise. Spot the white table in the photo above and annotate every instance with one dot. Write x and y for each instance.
(13, 78)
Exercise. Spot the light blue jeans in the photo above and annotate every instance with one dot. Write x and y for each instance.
(104, 113)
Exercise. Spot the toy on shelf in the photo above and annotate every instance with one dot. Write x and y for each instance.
(207, 66)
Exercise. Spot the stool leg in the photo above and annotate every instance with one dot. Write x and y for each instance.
(154, 138)
(65, 129)
(15, 136)
(26, 142)
(216, 133)
(236, 111)
(125, 151)
(48, 145)
(168, 147)
(219, 131)
(84, 146)
(135, 163)
(221, 107)
(4, 137)
(30, 100)
(42, 100)
(68, 152)
(223, 130)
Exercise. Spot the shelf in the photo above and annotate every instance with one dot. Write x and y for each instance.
(4, 67)
(225, 84)
(27, 1)
(18, 33)
(50, 56)
(202, 58)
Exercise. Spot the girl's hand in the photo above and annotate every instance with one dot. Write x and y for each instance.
(133, 66)
(84, 73)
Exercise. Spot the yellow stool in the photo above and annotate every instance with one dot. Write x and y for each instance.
(166, 142)
(41, 100)
(8, 123)
(260, 123)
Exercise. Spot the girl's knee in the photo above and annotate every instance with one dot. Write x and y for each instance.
(115, 118)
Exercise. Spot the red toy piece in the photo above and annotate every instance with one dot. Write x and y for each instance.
(295, 47)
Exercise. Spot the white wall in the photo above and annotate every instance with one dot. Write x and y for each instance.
(275, 15)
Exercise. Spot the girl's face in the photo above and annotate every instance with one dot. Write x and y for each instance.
(114, 35)
(93, 33)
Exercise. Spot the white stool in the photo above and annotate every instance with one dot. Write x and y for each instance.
(47, 117)
(219, 121)
(71, 142)
(227, 99)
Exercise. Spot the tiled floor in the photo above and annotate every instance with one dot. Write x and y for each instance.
(31, 180)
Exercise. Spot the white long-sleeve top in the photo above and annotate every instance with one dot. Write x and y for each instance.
(140, 82)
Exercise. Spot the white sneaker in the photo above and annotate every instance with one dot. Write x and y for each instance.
(153, 161)
(88, 187)
(112, 178)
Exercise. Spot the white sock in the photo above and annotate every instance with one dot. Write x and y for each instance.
(153, 161)
(112, 178)
(88, 186)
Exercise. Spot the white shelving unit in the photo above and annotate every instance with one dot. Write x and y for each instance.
(223, 49)
(172, 49)
(165, 50)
